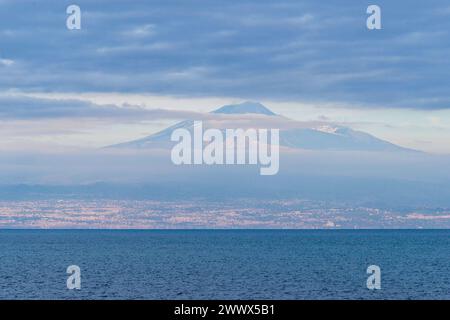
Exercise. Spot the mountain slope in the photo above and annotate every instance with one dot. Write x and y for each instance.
(341, 139)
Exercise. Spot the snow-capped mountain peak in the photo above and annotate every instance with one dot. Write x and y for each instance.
(245, 108)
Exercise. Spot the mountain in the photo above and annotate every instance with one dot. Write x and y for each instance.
(324, 137)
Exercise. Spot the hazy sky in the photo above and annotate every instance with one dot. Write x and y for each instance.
(309, 60)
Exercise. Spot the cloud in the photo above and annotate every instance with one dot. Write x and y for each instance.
(146, 30)
(17, 107)
(264, 20)
(245, 121)
(6, 62)
(127, 49)
(291, 50)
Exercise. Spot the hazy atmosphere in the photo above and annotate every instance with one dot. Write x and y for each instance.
(87, 114)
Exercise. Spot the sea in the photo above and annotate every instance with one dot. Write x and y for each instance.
(225, 264)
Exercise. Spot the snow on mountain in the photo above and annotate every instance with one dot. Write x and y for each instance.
(245, 108)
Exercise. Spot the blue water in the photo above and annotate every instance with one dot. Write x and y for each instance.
(260, 264)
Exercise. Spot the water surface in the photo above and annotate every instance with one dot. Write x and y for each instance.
(225, 264)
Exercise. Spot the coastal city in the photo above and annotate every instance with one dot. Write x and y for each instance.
(200, 213)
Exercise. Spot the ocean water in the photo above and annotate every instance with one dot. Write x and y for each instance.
(222, 264)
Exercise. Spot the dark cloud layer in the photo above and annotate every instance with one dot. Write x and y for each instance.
(13, 107)
(288, 49)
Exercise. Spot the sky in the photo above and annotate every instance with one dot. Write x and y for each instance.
(137, 66)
